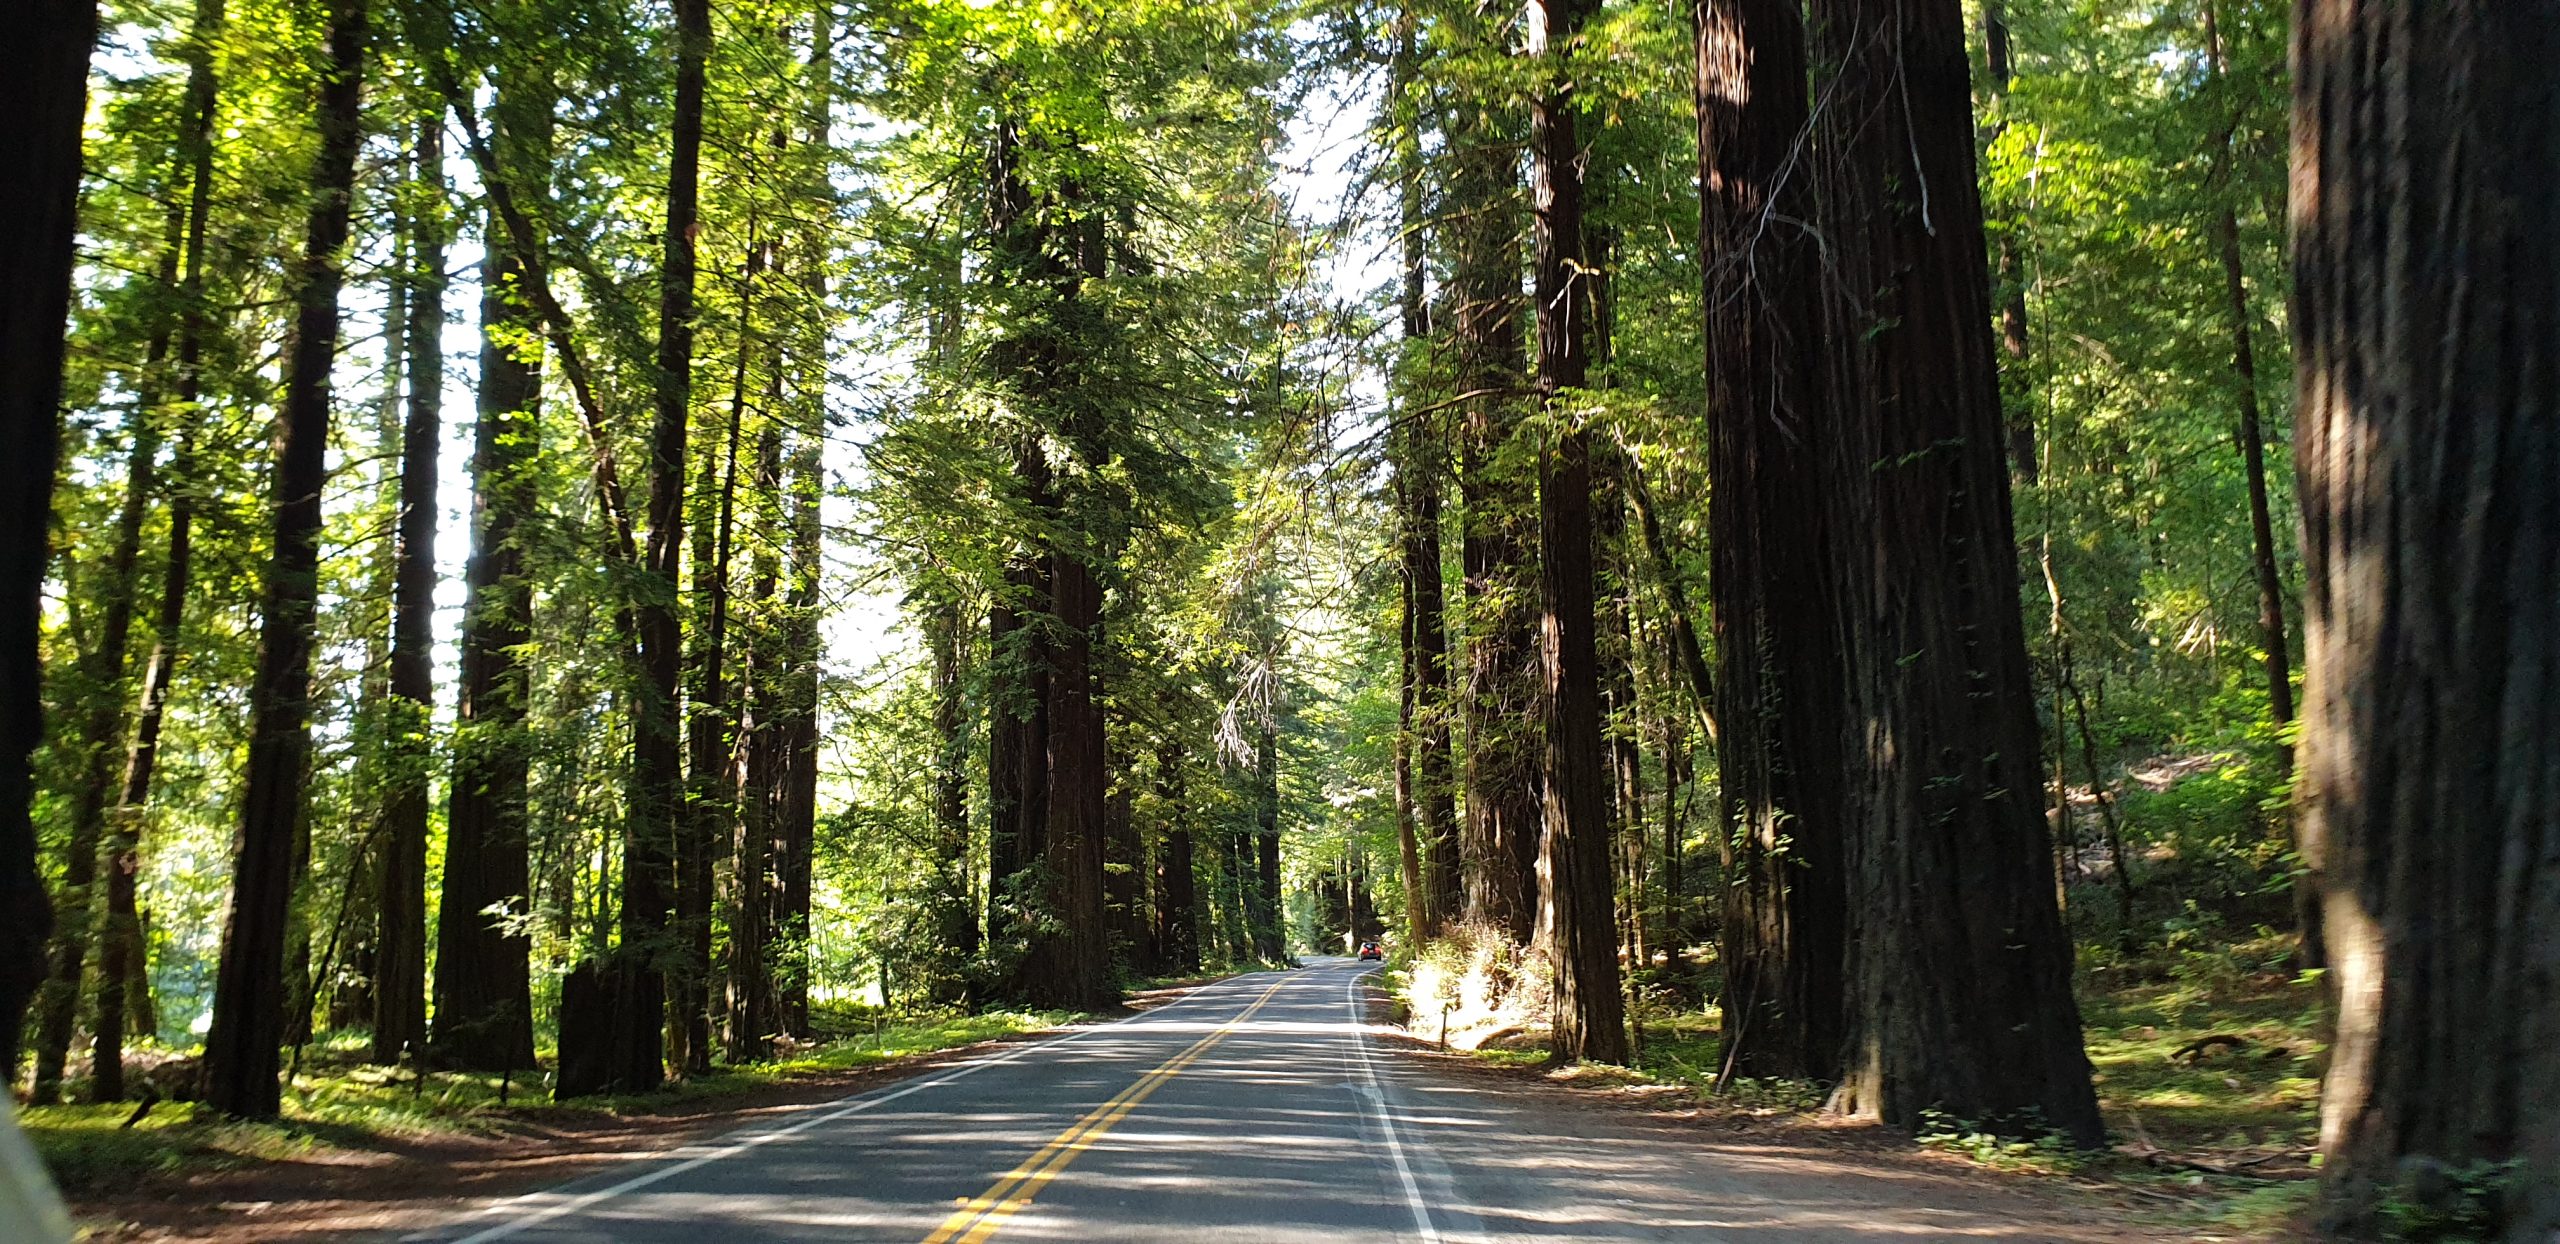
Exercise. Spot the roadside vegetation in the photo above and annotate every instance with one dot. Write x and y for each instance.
(341, 1103)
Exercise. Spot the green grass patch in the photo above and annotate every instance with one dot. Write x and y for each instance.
(339, 1103)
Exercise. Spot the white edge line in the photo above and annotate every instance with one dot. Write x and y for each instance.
(1386, 1122)
(843, 1107)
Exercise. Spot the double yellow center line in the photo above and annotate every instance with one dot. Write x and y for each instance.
(981, 1216)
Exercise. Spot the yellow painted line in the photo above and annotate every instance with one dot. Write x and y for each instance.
(981, 1216)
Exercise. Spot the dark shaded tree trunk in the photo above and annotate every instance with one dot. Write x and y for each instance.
(2426, 266)
(400, 938)
(795, 731)
(1071, 965)
(1177, 895)
(749, 1014)
(1776, 599)
(656, 832)
(1260, 853)
(44, 85)
(711, 809)
(1576, 873)
(795, 830)
(1500, 837)
(955, 906)
(483, 981)
(1949, 860)
(250, 986)
(1434, 892)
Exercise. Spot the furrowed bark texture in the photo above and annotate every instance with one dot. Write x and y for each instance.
(1959, 971)
(1589, 1019)
(652, 843)
(1776, 620)
(2426, 261)
(250, 988)
(1500, 838)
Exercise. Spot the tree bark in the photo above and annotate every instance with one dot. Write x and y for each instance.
(1778, 632)
(1589, 1020)
(483, 981)
(1262, 861)
(250, 990)
(400, 940)
(711, 809)
(44, 87)
(1501, 834)
(1434, 894)
(2426, 264)
(1177, 881)
(655, 834)
(1949, 858)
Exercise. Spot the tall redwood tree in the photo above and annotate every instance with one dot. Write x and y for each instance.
(2426, 262)
(1949, 861)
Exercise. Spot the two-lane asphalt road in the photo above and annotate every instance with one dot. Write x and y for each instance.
(1252, 1109)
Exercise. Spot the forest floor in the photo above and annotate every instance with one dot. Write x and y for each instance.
(2207, 1060)
(364, 1149)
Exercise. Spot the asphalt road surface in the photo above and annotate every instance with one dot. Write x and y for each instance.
(1258, 1109)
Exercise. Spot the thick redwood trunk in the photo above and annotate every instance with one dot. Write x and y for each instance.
(1577, 876)
(1261, 859)
(44, 85)
(712, 794)
(1777, 626)
(653, 838)
(483, 983)
(953, 898)
(1177, 895)
(400, 938)
(250, 986)
(1500, 838)
(1069, 964)
(2426, 262)
(1949, 863)
(796, 727)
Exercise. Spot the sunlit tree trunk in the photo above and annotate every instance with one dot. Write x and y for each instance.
(250, 987)
(2426, 266)
(1949, 860)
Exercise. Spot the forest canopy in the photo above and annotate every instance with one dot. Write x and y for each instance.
(599, 541)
